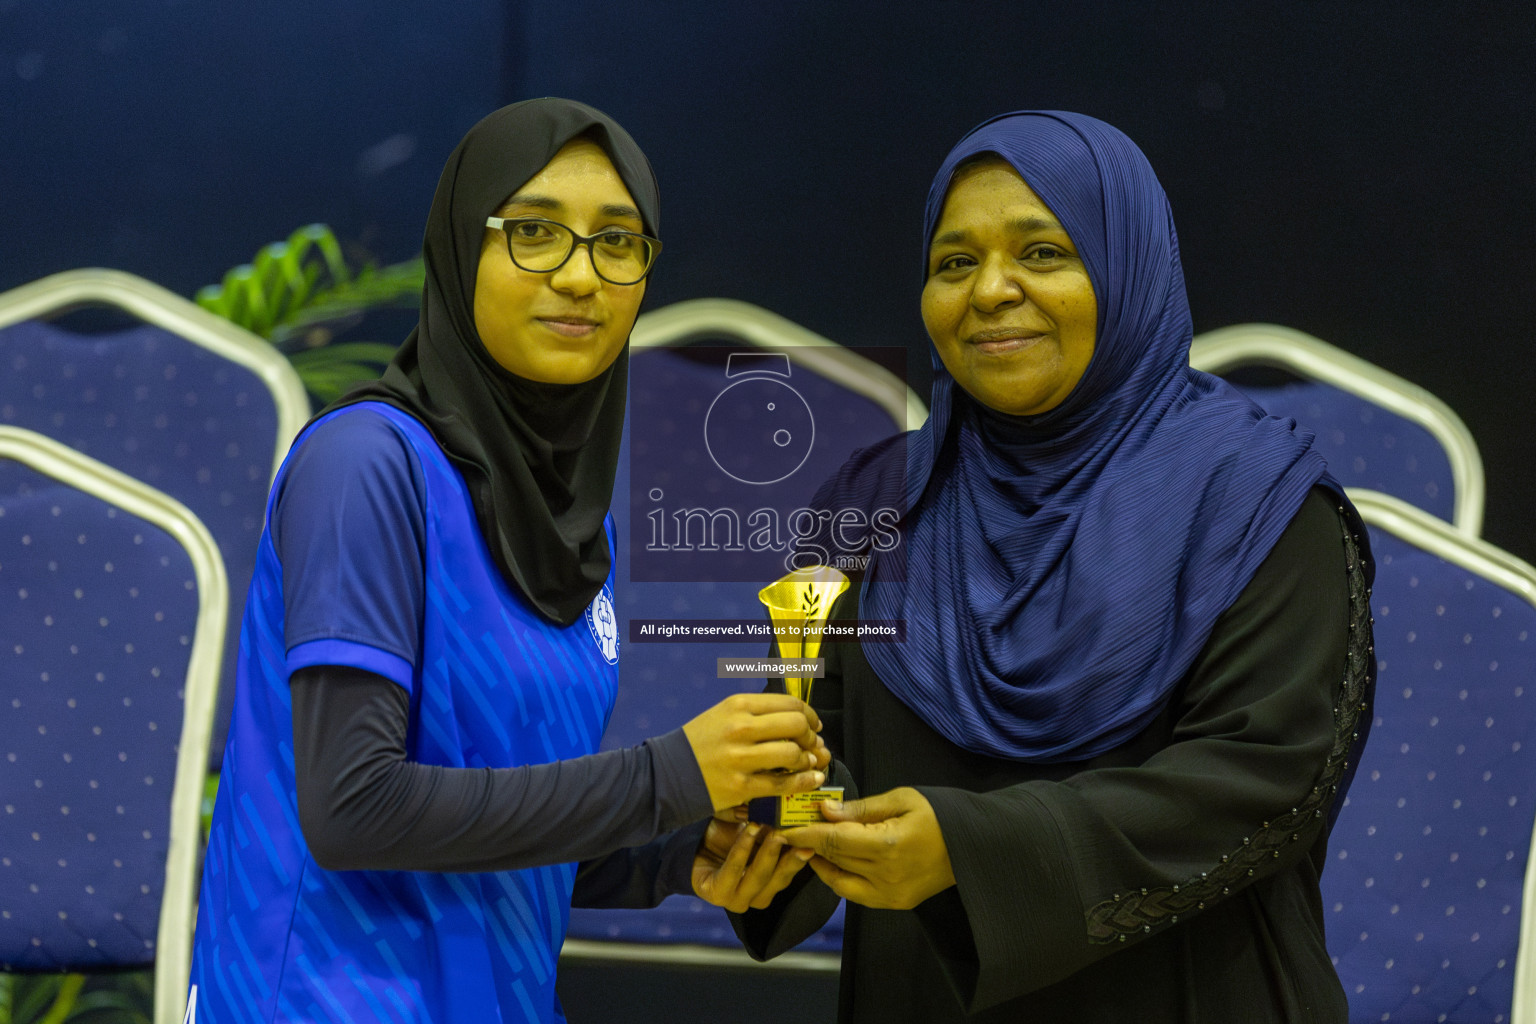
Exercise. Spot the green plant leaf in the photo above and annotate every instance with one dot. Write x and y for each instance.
(64, 1001)
(298, 291)
(210, 794)
(329, 383)
(346, 352)
(33, 992)
(125, 1007)
(289, 279)
(320, 237)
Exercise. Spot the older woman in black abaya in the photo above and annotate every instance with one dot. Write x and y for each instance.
(412, 794)
(1102, 763)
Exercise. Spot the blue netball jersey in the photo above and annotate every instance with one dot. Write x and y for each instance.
(492, 685)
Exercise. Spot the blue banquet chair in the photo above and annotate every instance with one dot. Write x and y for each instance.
(113, 600)
(170, 394)
(1378, 431)
(691, 455)
(1427, 896)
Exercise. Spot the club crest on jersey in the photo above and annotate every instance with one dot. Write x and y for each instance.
(604, 625)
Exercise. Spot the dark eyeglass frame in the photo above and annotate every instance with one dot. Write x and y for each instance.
(577, 241)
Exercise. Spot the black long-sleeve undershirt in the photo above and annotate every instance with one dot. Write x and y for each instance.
(363, 805)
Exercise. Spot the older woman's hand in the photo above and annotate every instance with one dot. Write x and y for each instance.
(729, 873)
(885, 851)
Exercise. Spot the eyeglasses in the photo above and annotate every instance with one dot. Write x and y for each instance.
(542, 246)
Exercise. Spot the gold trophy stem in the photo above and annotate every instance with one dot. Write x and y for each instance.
(798, 605)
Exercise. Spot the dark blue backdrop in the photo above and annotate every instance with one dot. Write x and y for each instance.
(1356, 171)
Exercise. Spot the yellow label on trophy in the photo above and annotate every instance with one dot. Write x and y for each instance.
(805, 808)
(798, 605)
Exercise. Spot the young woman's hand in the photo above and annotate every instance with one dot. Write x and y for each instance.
(729, 873)
(758, 744)
(884, 851)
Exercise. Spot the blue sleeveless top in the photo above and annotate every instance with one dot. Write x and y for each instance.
(492, 684)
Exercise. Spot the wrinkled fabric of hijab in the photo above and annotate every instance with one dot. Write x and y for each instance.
(539, 459)
(1058, 574)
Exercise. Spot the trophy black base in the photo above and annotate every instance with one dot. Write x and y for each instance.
(792, 811)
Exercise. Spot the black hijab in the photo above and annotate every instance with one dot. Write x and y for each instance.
(539, 459)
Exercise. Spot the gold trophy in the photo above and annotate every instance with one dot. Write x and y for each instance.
(798, 605)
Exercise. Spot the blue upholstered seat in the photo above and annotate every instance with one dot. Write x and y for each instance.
(181, 400)
(1424, 889)
(113, 600)
(1378, 431)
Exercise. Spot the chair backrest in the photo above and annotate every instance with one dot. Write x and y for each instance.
(184, 401)
(1378, 431)
(1426, 890)
(693, 444)
(113, 600)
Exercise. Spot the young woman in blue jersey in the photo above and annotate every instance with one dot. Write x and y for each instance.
(412, 794)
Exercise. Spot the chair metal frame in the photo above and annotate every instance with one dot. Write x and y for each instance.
(1228, 348)
(178, 905)
(693, 955)
(1433, 535)
(95, 286)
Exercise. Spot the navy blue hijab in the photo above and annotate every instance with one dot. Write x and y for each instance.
(1058, 574)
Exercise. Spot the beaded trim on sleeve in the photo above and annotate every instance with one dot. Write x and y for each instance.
(1140, 911)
